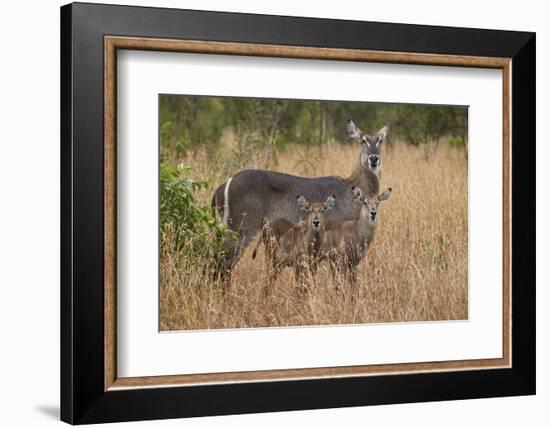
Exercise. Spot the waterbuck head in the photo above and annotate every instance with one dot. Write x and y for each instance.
(370, 205)
(315, 210)
(370, 146)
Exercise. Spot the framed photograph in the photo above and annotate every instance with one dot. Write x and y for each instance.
(266, 213)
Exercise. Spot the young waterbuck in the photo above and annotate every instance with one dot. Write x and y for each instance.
(295, 245)
(346, 242)
(251, 196)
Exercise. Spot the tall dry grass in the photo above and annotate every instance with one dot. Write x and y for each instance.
(416, 269)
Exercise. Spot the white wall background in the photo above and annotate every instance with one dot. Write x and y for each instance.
(29, 213)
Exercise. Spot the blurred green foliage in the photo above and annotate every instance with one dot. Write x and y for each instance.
(189, 122)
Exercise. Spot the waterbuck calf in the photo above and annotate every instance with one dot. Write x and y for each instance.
(251, 196)
(346, 242)
(295, 245)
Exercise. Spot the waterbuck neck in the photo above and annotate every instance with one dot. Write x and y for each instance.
(314, 234)
(313, 238)
(365, 178)
(363, 227)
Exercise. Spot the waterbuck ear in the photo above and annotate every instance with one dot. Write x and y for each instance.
(329, 203)
(382, 133)
(385, 196)
(302, 202)
(357, 194)
(353, 131)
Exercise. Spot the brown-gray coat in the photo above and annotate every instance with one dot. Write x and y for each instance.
(346, 242)
(251, 197)
(295, 245)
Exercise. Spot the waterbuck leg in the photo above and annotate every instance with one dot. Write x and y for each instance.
(225, 263)
(337, 271)
(233, 249)
(352, 273)
(273, 274)
(301, 271)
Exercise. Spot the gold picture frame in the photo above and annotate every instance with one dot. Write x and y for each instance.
(114, 43)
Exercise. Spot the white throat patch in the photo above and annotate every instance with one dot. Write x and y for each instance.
(376, 170)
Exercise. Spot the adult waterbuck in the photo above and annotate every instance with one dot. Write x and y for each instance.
(346, 242)
(251, 196)
(295, 245)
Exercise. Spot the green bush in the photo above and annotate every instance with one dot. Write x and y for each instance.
(456, 142)
(192, 227)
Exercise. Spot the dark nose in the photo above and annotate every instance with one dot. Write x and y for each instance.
(373, 216)
(316, 223)
(373, 158)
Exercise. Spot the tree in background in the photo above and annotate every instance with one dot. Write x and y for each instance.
(191, 122)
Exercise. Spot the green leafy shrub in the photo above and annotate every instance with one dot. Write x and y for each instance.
(190, 226)
(456, 142)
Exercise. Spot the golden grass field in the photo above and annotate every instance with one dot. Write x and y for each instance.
(416, 269)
